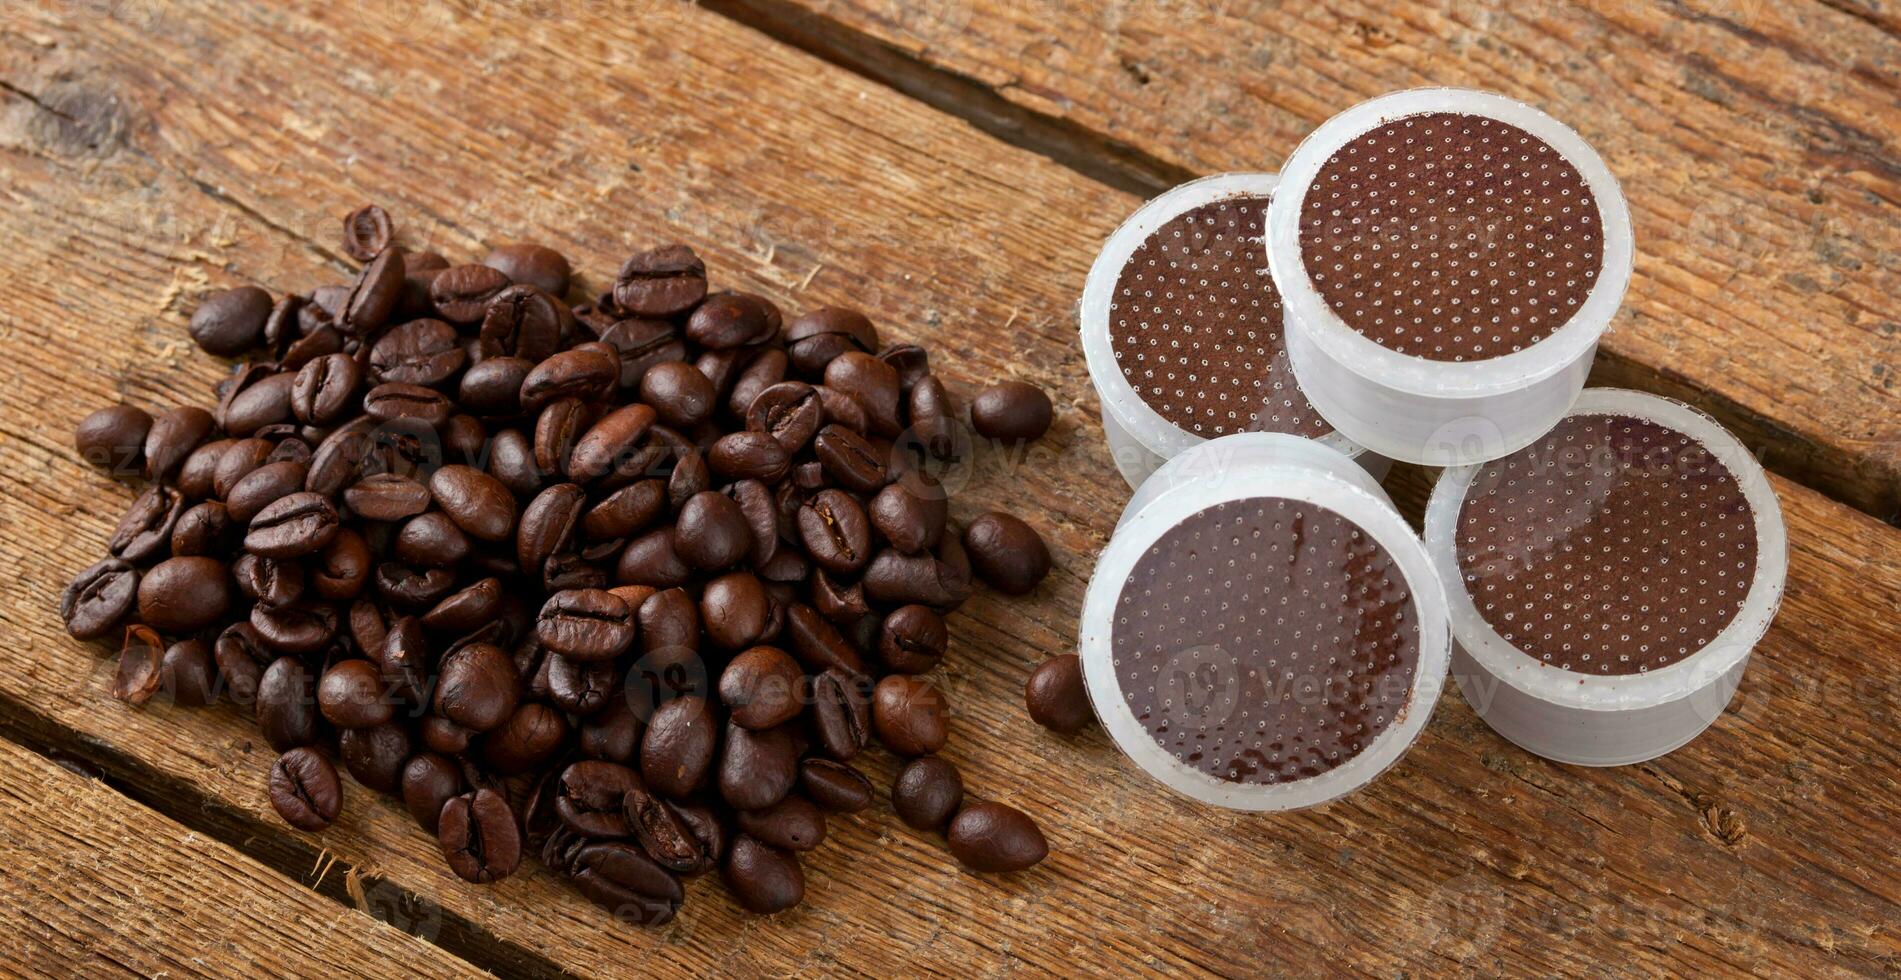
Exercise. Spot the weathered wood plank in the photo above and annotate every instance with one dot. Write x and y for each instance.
(1756, 143)
(98, 886)
(139, 174)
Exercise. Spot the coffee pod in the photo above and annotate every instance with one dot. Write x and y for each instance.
(1608, 582)
(1447, 261)
(1263, 631)
(1181, 325)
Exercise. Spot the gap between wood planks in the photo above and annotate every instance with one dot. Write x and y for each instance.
(1125, 167)
(301, 858)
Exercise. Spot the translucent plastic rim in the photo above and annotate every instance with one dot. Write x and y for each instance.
(1374, 515)
(1417, 374)
(1693, 673)
(1119, 398)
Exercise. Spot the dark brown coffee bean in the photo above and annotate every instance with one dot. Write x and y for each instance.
(175, 432)
(661, 282)
(526, 322)
(145, 532)
(188, 675)
(749, 456)
(841, 710)
(338, 459)
(625, 512)
(366, 232)
(909, 715)
(479, 837)
(202, 530)
(762, 878)
(178, 595)
(834, 785)
(462, 293)
(678, 392)
(430, 781)
(526, 741)
(934, 422)
(622, 879)
(994, 837)
(792, 824)
(231, 322)
(711, 532)
(113, 439)
(547, 524)
(241, 658)
(912, 640)
(263, 487)
(814, 338)
(651, 560)
(689, 476)
(445, 736)
(836, 602)
(270, 581)
(386, 497)
(477, 502)
(757, 768)
(735, 610)
(299, 629)
(762, 688)
(262, 399)
(430, 540)
(582, 373)
(728, 320)
(375, 756)
(420, 352)
(304, 789)
(641, 344)
(292, 526)
(537, 265)
(320, 342)
(873, 383)
(589, 798)
(558, 426)
(927, 793)
(613, 732)
(911, 513)
(669, 626)
(767, 368)
(98, 598)
(478, 688)
(1011, 411)
(912, 363)
(374, 295)
(195, 476)
(394, 402)
(677, 750)
(579, 687)
(492, 388)
(287, 704)
(405, 662)
(789, 411)
(610, 443)
(1008, 553)
(898, 578)
(136, 676)
(661, 831)
(588, 625)
(466, 610)
(818, 644)
(836, 534)
(1057, 697)
(851, 460)
(841, 410)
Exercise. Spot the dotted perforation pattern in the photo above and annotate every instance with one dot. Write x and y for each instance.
(1195, 324)
(1613, 546)
(1265, 640)
(1451, 237)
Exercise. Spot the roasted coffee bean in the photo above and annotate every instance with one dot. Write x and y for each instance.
(547, 524)
(651, 560)
(1008, 553)
(625, 512)
(677, 750)
(669, 626)
(405, 662)
(749, 456)
(177, 595)
(324, 390)
(912, 363)
(789, 411)
(420, 352)
(588, 625)
(841, 711)
(819, 645)
(537, 265)
(462, 293)
(792, 824)
(477, 687)
(1057, 697)
(728, 320)
(466, 609)
(320, 342)
(626, 882)
(840, 409)
(263, 400)
(735, 610)
(612, 732)
(202, 529)
(834, 785)
(911, 513)
(352, 694)
(387, 497)
(578, 687)
(338, 459)
(304, 789)
(851, 460)
(814, 338)
(136, 676)
(241, 657)
(690, 476)
(934, 421)
(912, 640)
(479, 836)
(757, 768)
(492, 388)
(897, 578)
(270, 581)
(299, 629)
(761, 688)
(195, 476)
(994, 837)
(526, 741)
(113, 438)
(375, 756)
(264, 486)
(558, 426)
(188, 675)
(145, 532)
(661, 282)
(589, 798)
(175, 432)
(430, 781)
(927, 793)
(1011, 411)
(836, 602)
(767, 368)
(445, 736)
(678, 392)
(292, 526)
(909, 715)
(661, 831)
(873, 383)
(477, 502)
(366, 232)
(526, 322)
(394, 402)
(231, 322)
(287, 704)
(431, 540)
(511, 461)
(762, 878)
(581, 373)
(610, 443)
(711, 532)
(836, 534)
(99, 597)
(374, 295)
(641, 344)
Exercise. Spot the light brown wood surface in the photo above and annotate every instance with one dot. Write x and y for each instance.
(139, 174)
(1757, 143)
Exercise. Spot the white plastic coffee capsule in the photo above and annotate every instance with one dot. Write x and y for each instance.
(1608, 582)
(1263, 631)
(1181, 326)
(1447, 260)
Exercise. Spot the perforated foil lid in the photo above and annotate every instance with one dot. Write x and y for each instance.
(1182, 323)
(1265, 633)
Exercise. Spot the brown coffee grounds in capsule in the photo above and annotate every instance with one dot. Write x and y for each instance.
(1451, 237)
(1265, 640)
(1195, 324)
(1612, 546)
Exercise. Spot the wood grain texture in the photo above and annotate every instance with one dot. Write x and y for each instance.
(138, 175)
(100, 886)
(1756, 142)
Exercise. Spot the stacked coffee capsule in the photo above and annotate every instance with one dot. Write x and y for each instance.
(1425, 281)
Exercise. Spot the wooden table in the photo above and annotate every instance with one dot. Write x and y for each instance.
(952, 170)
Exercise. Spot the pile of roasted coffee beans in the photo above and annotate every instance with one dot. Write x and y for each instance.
(625, 584)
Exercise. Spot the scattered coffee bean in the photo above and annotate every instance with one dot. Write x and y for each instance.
(835, 786)
(994, 837)
(927, 793)
(479, 836)
(909, 715)
(231, 322)
(535, 265)
(1011, 411)
(763, 878)
(1006, 552)
(113, 439)
(304, 789)
(1056, 696)
(367, 231)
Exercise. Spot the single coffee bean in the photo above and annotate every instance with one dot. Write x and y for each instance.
(492, 387)
(818, 644)
(374, 295)
(708, 827)
(588, 625)
(1011, 411)
(526, 741)
(625, 512)
(352, 694)
(728, 320)
(477, 502)
(113, 439)
(1008, 553)
(240, 459)
(462, 293)
(761, 688)
(178, 595)
(927, 793)
(661, 282)
(188, 675)
(841, 410)
(622, 879)
(440, 734)
(98, 598)
(909, 715)
(263, 400)
(578, 373)
(789, 411)
(578, 687)
(202, 530)
(477, 688)
(995, 837)
(834, 785)
(292, 526)
(814, 338)
(613, 732)
(304, 789)
(735, 610)
(432, 540)
(526, 322)
(366, 232)
(547, 524)
(661, 831)
(749, 456)
(589, 798)
(897, 578)
(841, 708)
(145, 532)
(912, 363)
(479, 836)
(838, 602)
(762, 878)
(912, 640)
(269, 581)
(420, 352)
(136, 676)
(299, 629)
(792, 824)
(610, 443)
(231, 322)
(536, 265)
(375, 756)
(678, 392)
(467, 609)
(757, 768)
(430, 781)
(767, 368)
(264, 486)
(241, 657)
(934, 420)
(642, 344)
(711, 532)
(669, 627)
(195, 475)
(395, 402)
(651, 560)
(911, 513)
(387, 497)
(835, 531)
(690, 476)
(338, 460)
(677, 750)
(1057, 697)
(287, 704)
(175, 432)
(851, 460)
(873, 383)
(323, 390)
